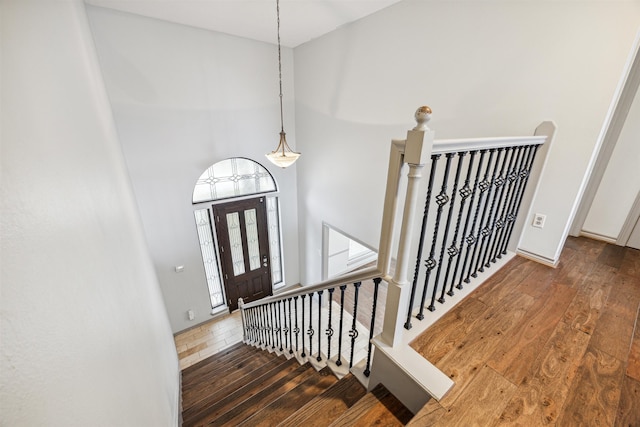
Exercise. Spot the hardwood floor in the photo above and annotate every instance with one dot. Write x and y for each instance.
(537, 346)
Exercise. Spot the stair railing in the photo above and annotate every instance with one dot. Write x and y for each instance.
(466, 227)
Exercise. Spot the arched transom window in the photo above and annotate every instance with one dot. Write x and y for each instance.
(234, 177)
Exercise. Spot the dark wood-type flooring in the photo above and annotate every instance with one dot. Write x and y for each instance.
(245, 386)
(538, 346)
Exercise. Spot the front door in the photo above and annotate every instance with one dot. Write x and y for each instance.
(241, 228)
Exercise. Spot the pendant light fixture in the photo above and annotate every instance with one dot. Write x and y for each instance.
(283, 155)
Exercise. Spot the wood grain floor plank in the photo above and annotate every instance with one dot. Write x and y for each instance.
(631, 263)
(500, 284)
(541, 396)
(614, 331)
(633, 363)
(290, 402)
(612, 255)
(449, 331)
(629, 407)
(329, 405)
(584, 311)
(537, 282)
(515, 355)
(464, 364)
(491, 392)
(429, 415)
(595, 392)
(378, 407)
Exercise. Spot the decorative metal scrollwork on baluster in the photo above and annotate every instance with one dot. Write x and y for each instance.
(353, 332)
(296, 330)
(423, 229)
(454, 251)
(310, 331)
(501, 224)
(319, 358)
(473, 237)
(376, 284)
(342, 289)
(329, 331)
(302, 319)
(290, 328)
(441, 199)
(430, 262)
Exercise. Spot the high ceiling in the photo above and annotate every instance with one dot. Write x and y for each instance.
(300, 20)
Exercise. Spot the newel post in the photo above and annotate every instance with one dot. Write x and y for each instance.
(417, 151)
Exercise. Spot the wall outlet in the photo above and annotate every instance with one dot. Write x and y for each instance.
(538, 220)
(191, 315)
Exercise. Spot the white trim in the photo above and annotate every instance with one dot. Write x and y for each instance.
(596, 236)
(538, 258)
(443, 146)
(629, 223)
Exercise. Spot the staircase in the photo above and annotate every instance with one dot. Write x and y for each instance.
(245, 386)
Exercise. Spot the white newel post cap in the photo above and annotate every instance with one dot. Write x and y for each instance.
(423, 115)
(240, 303)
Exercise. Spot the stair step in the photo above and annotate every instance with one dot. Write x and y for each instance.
(378, 407)
(329, 405)
(213, 407)
(220, 377)
(292, 401)
(224, 386)
(217, 359)
(264, 396)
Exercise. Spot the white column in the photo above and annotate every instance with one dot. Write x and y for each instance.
(416, 153)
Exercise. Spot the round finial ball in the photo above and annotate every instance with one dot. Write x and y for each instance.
(423, 115)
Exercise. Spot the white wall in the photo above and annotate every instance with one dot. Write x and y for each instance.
(620, 183)
(183, 99)
(486, 69)
(85, 336)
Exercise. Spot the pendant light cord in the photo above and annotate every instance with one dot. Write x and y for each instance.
(280, 66)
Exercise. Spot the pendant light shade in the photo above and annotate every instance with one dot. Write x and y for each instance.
(283, 156)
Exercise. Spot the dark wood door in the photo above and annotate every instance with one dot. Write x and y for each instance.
(243, 242)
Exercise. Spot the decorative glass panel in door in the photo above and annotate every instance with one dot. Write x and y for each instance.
(244, 249)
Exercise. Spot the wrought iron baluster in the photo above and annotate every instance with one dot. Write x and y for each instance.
(430, 263)
(290, 329)
(519, 172)
(376, 284)
(342, 289)
(330, 328)
(451, 250)
(498, 224)
(486, 230)
(469, 239)
(496, 185)
(456, 251)
(441, 199)
(303, 331)
(353, 333)
(423, 228)
(310, 331)
(296, 331)
(526, 174)
(319, 358)
(279, 325)
(274, 328)
(484, 186)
